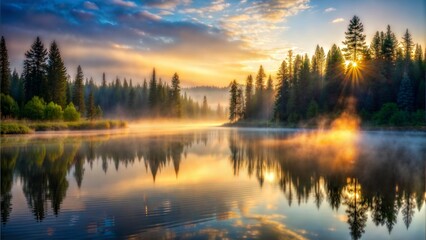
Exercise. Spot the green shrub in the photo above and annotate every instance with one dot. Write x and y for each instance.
(53, 111)
(383, 116)
(71, 114)
(399, 118)
(9, 107)
(34, 109)
(14, 128)
(418, 118)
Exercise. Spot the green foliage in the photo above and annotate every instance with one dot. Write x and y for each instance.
(98, 112)
(9, 108)
(13, 128)
(382, 117)
(35, 109)
(53, 111)
(399, 118)
(71, 114)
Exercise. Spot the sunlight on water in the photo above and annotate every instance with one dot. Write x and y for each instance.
(336, 144)
(195, 182)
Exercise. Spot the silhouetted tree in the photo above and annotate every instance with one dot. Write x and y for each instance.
(56, 77)
(78, 93)
(34, 73)
(4, 68)
(355, 40)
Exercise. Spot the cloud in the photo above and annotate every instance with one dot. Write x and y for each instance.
(124, 3)
(338, 20)
(165, 4)
(149, 15)
(90, 5)
(277, 10)
(330, 9)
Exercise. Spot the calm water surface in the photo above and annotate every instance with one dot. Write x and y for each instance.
(211, 184)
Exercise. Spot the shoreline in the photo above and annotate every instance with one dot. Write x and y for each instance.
(366, 127)
(11, 127)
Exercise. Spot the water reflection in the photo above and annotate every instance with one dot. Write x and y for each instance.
(385, 176)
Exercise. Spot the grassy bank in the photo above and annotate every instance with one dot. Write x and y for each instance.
(23, 127)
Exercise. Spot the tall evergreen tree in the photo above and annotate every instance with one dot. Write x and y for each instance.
(355, 40)
(334, 76)
(407, 45)
(260, 84)
(34, 73)
(249, 97)
(153, 91)
(233, 101)
(240, 104)
(56, 77)
(376, 46)
(4, 68)
(91, 108)
(283, 91)
(205, 107)
(78, 93)
(175, 96)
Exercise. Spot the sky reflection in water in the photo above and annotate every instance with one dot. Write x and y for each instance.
(214, 183)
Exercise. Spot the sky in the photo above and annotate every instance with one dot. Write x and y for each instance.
(205, 42)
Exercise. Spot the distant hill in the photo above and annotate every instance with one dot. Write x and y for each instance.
(214, 95)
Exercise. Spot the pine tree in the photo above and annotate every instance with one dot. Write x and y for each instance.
(389, 45)
(281, 98)
(78, 93)
(376, 46)
(249, 97)
(153, 91)
(240, 104)
(259, 92)
(355, 40)
(4, 68)
(405, 94)
(233, 101)
(34, 73)
(56, 77)
(205, 107)
(91, 108)
(175, 96)
(334, 79)
(407, 45)
(260, 84)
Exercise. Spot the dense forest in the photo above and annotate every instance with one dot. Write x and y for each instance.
(386, 80)
(45, 80)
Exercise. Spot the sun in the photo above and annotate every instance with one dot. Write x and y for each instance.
(351, 64)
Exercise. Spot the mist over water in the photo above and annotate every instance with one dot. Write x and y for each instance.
(194, 181)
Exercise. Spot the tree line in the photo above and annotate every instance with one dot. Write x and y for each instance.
(387, 79)
(45, 80)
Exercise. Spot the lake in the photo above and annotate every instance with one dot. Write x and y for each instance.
(214, 183)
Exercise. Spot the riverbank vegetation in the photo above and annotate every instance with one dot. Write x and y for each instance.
(24, 127)
(384, 83)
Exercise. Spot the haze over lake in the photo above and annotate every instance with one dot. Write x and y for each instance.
(208, 182)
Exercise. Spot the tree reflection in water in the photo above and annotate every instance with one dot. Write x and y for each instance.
(384, 178)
